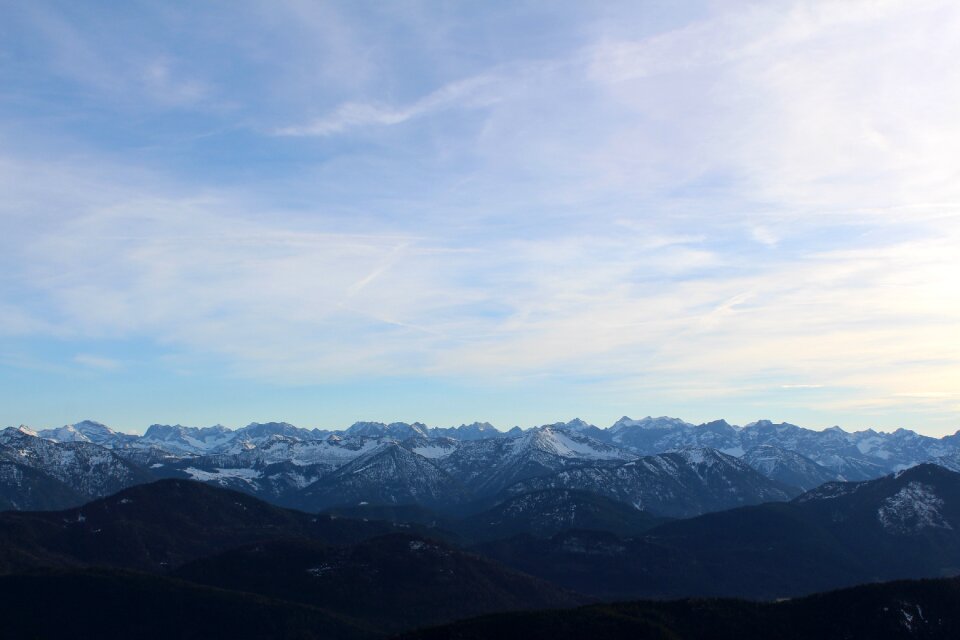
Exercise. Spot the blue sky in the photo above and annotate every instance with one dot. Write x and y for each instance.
(518, 212)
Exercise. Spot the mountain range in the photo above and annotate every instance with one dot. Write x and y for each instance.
(665, 466)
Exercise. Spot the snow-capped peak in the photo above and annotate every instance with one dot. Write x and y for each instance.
(399, 430)
(663, 422)
(567, 444)
(575, 425)
(89, 427)
(66, 433)
(695, 455)
(180, 439)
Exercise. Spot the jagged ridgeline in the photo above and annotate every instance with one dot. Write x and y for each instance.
(663, 466)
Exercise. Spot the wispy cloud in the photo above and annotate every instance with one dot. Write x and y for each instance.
(143, 75)
(98, 362)
(470, 93)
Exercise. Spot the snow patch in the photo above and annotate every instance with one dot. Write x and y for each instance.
(218, 475)
(433, 451)
(914, 508)
(320, 570)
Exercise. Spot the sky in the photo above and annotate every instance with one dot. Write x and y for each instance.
(520, 212)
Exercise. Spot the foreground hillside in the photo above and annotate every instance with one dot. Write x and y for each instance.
(159, 526)
(392, 582)
(384, 576)
(106, 605)
(900, 610)
(102, 605)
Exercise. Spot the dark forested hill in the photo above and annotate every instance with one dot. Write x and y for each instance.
(908, 610)
(906, 525)
(392, 582)
(119, 605)
(158, 526)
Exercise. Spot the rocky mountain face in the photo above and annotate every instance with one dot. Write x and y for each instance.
(86, 469)
(390, 474)
(849, 456)
(676, 484)
(787, 467)
(88, 431)
(23, 487)
(187, 440)
(489, 466)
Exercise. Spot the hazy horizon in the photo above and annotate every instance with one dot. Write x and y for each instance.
(514, 212)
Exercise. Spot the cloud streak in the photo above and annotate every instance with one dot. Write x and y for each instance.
(97, 362)
(471, 93)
